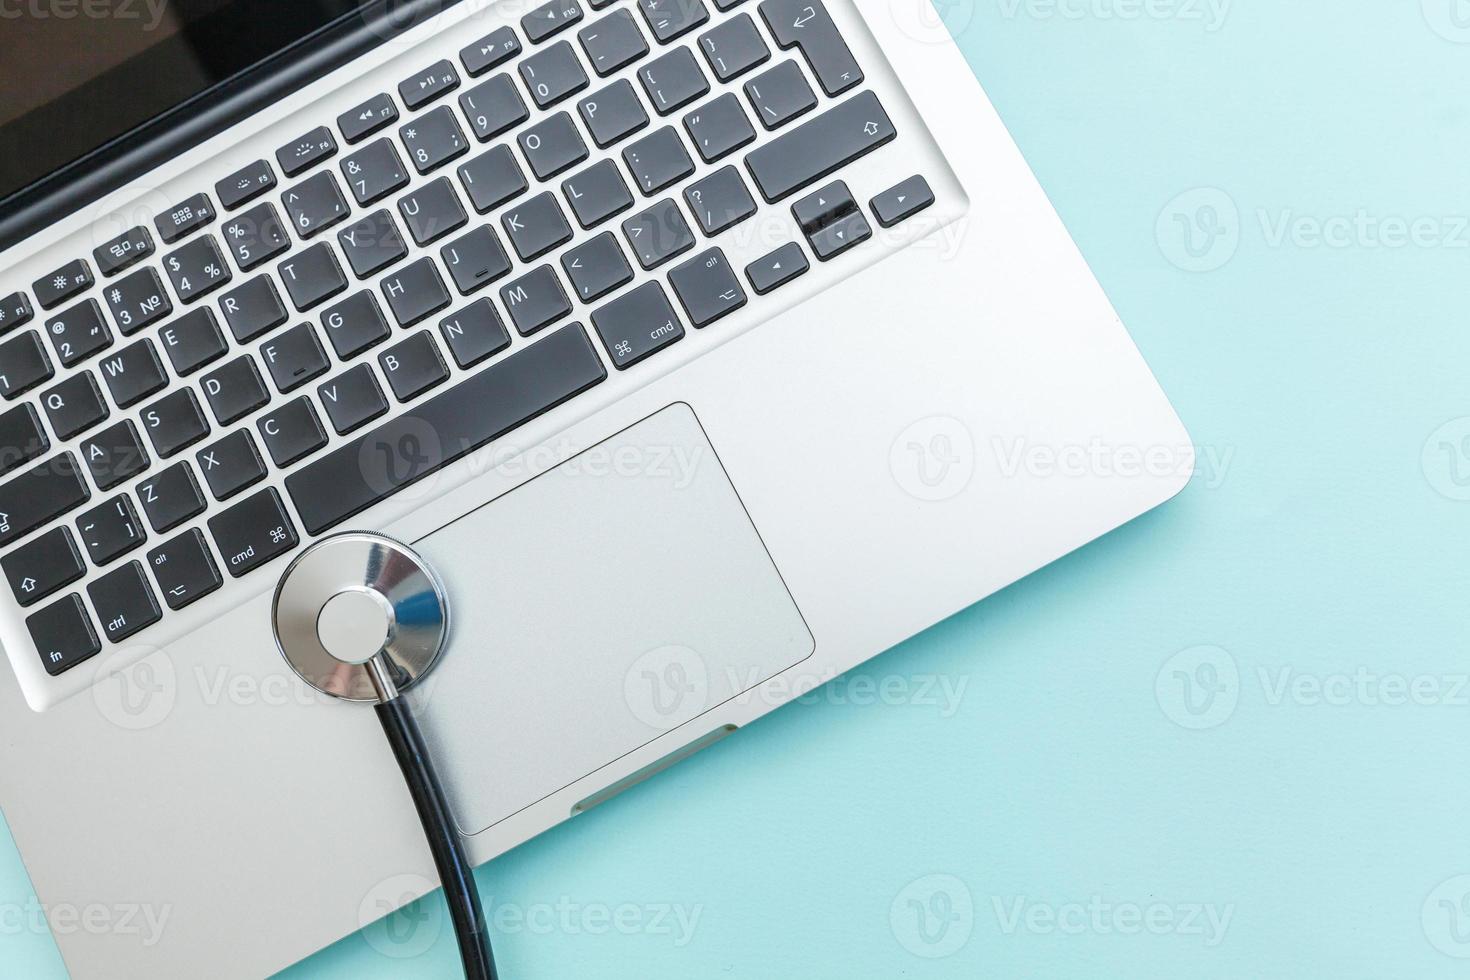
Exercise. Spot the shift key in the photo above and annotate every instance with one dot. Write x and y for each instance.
(821, 146)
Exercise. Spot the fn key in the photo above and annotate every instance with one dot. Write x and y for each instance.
(253, 532)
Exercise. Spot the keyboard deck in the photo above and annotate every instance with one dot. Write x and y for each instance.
(503, 228)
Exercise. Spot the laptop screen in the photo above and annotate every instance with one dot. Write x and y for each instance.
(77, 74)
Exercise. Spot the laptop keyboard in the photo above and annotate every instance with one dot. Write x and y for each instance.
(293, 276)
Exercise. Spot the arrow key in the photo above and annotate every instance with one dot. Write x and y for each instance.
(840, 235)
(40, 567)
(903, 201)
(776, 269)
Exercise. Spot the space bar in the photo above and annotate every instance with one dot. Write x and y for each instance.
(434, 434)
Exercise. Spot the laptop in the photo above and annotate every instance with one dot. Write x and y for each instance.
(707, 348)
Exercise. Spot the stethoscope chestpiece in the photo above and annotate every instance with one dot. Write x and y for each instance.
(360, 617)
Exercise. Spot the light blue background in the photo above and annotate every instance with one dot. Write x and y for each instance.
(1321, 540)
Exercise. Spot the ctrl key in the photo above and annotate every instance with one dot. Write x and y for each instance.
(124, 602)
(183, 569)
(253, 532)
(63, 634)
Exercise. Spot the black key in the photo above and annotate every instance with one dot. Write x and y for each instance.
(15, 309)
(245, 184)
(193, 340)
(352, 398)
(719, 128)
(807, 25)
(138, 300)
(63, 634)
(301, 154)
(312, 276)
(355, 324)
(115, 454)
(637, 324)
(734, 47)
(474, 333)
(536, 226)
(673, 81)
(124, 602)
(374, 172)
(74, 405)
(414, 292)
(133, 373)
(234, 389)
(658, 233)
(171, 496)
(231, 464)
(255, 307)
(63, 284)
(364, 120)
(552, 145)
(707, 287)
(197, 268)
(658, 160)
(613, 113)
(292, 431)
(535, 300)
(613, 42)
(183, 569)
(315, 204)
(823, 206)
(433, 139)
(78, 333)
(40, 567)
(719, 201)
(21, 437)
(902, 201)
(413, 366)
(110, 529)
(438, 79)
(252, 532)
(432, 211)
(131, 247)
(780, 95)
(23, 364)
(669, 19)
(493, 106)
(816, 148)
(552, 74)
(256, 236)
(839, 236)
(187, 217)
(475, 260)
(493, 178)
(495, 48)
(40, 494)
(294, 357)
(597, 193)
(481, 408)
(372, 244)
(174, 422)
(596, 267)
(550, 18)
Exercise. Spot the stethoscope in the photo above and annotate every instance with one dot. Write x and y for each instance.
(363, 618)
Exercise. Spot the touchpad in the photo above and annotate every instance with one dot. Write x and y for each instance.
(593, 609)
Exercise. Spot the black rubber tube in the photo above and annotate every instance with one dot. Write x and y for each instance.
(455, 872)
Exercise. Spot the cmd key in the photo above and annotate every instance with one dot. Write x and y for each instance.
(252, 532)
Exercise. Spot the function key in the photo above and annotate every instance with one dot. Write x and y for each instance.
(39, 495)
(15, 309)
(183, 569)
(124, 602)
(550, 18)
(79, 332)
(902, 201)
(21, 437)
(495, 48)
(61, 285)
(40, 567)
(669, 19)
(131, 246)
(23, 364)
(364, 120)
(428, 84)
(253, 532)
(191, 215)
(306, 152)
(245, 184)
(63, 634)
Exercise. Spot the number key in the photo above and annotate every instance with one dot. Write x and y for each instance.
(197, 268)
(256, 236)
(79, 333)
